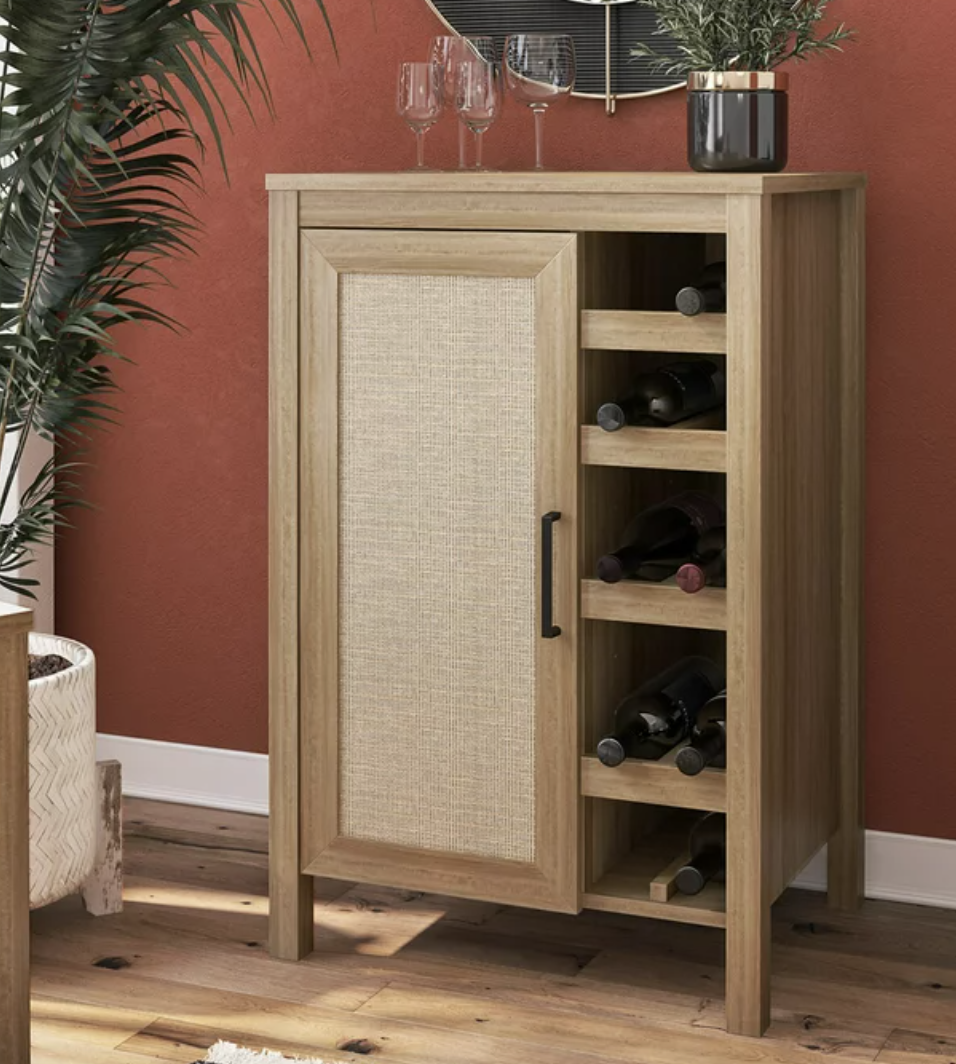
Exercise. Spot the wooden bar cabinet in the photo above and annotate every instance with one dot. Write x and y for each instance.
(442, 660)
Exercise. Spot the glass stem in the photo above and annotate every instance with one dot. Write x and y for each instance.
(479, 145)
(462, 146)
(539, 137)
(420, 147)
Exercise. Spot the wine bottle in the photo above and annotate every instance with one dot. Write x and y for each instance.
(670, 530)
(709, 294)
(668, 395)
(658, 570)
(708, 854)
(657, 716)
(708, 738)
(708, 565)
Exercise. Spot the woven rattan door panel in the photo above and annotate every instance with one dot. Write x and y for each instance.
(439, 412)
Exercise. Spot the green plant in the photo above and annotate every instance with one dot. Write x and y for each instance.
(98, 150)
(738, 34)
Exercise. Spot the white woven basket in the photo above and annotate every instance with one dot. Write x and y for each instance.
(62, 772)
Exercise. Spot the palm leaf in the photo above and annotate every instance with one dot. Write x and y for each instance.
(106, 106)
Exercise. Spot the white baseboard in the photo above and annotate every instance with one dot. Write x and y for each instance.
(189, 775)
(904, 868)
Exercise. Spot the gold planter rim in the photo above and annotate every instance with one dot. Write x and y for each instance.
(737, 81)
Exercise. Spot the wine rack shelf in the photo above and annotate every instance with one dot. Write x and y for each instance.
(654, 783)
(440, 496)
(627, 886)
(641, 330)
(638, 448)
(662, 604)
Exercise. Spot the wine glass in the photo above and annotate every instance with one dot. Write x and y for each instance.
(478, 98)
(541, 71)
(447, 53)
(420, 101)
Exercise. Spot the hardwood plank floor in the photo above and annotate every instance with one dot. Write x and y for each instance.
(420, 979)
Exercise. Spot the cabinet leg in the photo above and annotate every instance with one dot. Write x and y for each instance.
(748, 970)
(291, 914)
(845, 867)
(291, 927)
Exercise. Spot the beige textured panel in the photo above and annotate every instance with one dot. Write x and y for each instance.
(437, 562)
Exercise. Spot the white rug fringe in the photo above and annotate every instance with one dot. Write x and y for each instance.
(227, 1053)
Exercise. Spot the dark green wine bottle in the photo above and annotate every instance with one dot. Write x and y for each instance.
(657, 716)
(708, 854)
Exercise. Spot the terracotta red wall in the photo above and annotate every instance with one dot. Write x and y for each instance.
(167, 580)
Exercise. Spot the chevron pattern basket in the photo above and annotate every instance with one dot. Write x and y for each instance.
(62, 772)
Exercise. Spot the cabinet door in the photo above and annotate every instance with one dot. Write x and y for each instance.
(439, 422)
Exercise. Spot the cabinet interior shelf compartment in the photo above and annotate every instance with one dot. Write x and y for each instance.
(655, 783)
(641, 330)
(635, 602)
(627, 885)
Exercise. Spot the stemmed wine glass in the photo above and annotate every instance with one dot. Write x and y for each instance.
(541, 71)
(478, 98)
(420, 101)
(448, 53)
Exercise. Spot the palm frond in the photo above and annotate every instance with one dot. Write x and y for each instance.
(106, 106)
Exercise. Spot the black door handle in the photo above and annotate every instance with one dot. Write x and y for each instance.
(549, 630)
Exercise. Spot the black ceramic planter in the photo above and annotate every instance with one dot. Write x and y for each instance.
(737, 122)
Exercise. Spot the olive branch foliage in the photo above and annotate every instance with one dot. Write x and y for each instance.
(106, 107)
(738, 34)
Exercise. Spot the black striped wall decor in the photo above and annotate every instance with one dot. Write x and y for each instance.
(630, 22)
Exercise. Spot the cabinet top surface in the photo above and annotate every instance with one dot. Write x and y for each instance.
(13, 618)
(609, 183)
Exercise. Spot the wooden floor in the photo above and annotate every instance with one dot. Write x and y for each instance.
(427, 980)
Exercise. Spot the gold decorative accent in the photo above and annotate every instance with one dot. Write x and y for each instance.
(610, 98)
(737, 81)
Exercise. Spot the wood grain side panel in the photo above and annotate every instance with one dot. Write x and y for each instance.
(636, 330)
(523, 211)
(644, 603)
(749, 246)
(437, 254)
(846, 852)
(784, 586)
(319, 554)
(639, 905)
(558, 725)
(457, 875)
(802, 543)
(291, 920)
(639, 448)
(654, 782)
(14, 837)
(608, 183)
